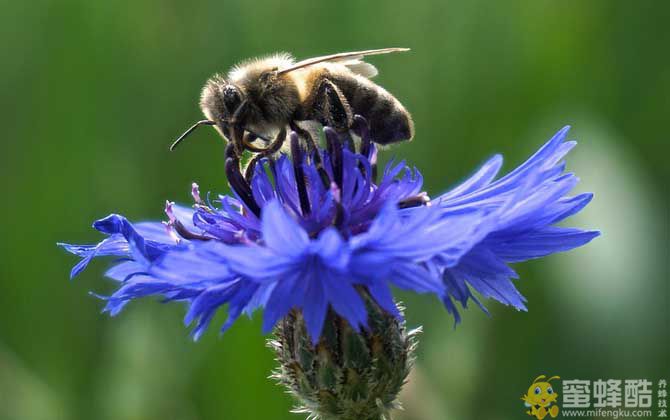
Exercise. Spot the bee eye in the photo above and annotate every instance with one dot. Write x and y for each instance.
(231, 98)
(537, 390)
(550, 390)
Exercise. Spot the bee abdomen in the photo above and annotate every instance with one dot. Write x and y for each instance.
(389, 120)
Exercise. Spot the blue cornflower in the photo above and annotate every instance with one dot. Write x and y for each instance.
(312, 230)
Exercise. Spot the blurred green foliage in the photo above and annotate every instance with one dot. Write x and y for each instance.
(93, 93)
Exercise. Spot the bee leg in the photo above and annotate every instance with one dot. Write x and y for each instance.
(273, 148)
(314, 148)
(238, 139)
(331, 106)
(311, 143)
(276, 144)
(247, 144)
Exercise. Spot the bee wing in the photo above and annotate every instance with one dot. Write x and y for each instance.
(350, 59)
(362, 68)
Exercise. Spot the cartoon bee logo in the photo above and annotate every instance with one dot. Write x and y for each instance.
(540, 398)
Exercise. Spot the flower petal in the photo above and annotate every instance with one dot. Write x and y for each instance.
(280, 230)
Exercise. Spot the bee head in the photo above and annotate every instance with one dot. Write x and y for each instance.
(222, 102)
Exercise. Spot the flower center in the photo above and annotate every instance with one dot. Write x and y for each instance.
(319, 187)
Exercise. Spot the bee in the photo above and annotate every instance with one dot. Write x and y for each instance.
(259, 98)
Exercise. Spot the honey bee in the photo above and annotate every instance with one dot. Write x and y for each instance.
(260, 98)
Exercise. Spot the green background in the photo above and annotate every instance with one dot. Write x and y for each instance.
(92, 93)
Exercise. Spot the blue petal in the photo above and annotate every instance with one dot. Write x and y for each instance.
(124, 270)
(197, 263)
(381, 293)
(345, 300)
(141, 249)
(257, 262)
(204, 307)
(481, 178)
(539, 243)
(490, 277)
(416, 278)
(282, 233)
(520, 210)
(143, 242)
(314, 309)
(331, 249)
(282, 300)
(239, 302)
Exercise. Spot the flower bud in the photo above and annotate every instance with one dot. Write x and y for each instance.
(348, 375)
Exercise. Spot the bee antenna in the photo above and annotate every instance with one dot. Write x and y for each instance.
(189, 131)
